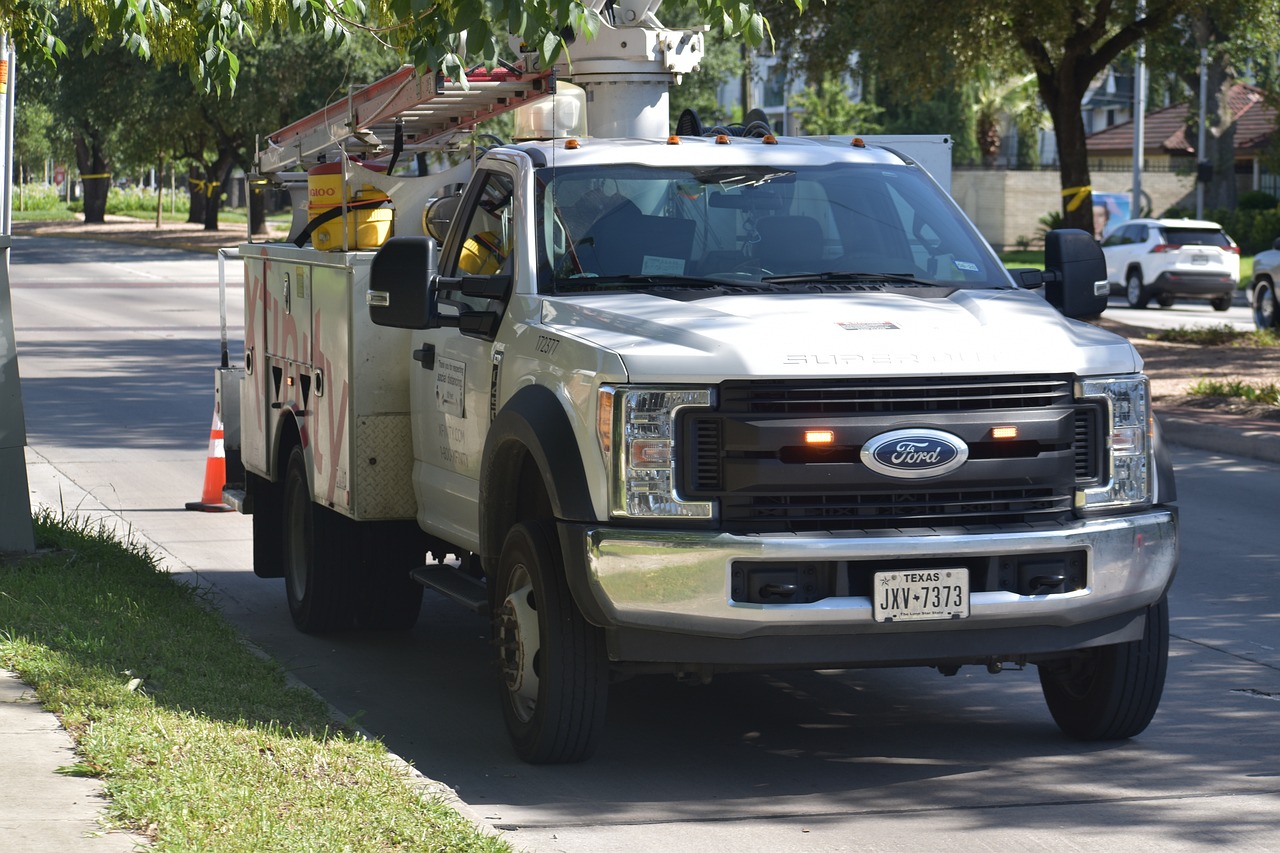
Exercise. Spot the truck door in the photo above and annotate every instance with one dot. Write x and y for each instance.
(453, 391)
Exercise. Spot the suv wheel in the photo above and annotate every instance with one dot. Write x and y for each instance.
(1135, 291)
(1264, 305)
(1222, 303)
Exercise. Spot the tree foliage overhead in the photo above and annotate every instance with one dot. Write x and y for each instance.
(444, 35)
(1065, 44)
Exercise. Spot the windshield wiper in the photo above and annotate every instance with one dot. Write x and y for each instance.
(601, 282)
(886, 277)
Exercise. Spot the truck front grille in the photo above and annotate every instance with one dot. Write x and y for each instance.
(743, 455)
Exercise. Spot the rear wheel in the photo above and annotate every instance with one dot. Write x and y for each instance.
(1110, 692)
(1222, 303)
(554, 672)
(1164, 300)
(1135, 291)
(1264, 306)
(316, 554)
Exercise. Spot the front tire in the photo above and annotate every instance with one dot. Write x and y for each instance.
(1265, 306)
(1135, 291)
(1110, 692)
(317, 569)
(552, 661)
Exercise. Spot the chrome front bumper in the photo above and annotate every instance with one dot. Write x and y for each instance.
(678, 582)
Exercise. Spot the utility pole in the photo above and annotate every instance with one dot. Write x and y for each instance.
(1200, 140)
(15, 497)
(1139, 121)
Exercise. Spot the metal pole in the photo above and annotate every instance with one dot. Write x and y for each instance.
(15, 496)
(1139, 121)
(1204, 103)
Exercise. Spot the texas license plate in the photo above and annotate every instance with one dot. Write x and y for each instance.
(919, 595)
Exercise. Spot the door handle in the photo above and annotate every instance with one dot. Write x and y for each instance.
(426, 355)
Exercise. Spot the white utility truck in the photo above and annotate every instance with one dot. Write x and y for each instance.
(688, 404)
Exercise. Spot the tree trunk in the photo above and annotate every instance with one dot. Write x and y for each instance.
(218, 174)
(195, 186)
(160, 193)
(95, 175)
(1073, 162)
(257, 207)
(1220, 141)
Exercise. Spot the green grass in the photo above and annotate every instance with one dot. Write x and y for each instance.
(1267, 394)
(200, 743)
(1222, 334)
(1023, 259)
(60, 214)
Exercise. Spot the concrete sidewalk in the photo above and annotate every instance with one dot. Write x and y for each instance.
(43, 811)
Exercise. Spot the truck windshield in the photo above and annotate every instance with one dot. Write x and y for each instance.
(634, 226)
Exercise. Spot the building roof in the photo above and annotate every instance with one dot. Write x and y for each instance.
(1166, 130)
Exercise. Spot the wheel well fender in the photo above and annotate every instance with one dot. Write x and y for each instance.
(531, 466)
(288, 434)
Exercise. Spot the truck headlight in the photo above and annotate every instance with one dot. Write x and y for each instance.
(1128, 456)
(636, 428)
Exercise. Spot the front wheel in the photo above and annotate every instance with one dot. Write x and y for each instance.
(1264, 306)
(1135, 291)
(1110, 692)
(552, 661)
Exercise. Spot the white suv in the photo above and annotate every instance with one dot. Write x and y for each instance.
(1164, 258)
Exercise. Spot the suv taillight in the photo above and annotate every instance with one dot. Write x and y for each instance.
(1164, 247)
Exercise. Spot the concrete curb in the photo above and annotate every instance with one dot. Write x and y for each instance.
(1205, 429)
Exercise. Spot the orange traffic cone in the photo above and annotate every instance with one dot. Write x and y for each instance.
(215, 473)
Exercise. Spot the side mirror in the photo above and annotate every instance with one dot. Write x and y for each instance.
(398, 292)
(439, 215)
(1075, 273)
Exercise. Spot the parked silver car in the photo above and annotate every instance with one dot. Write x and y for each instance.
(1163, 259)
(1266, 272)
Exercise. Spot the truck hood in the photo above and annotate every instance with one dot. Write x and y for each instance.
(837, 334)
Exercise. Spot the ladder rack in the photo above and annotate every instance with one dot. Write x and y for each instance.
(428, 111)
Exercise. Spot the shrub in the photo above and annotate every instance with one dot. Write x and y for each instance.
(1267, 394)
(37, 197)
(1256, 200)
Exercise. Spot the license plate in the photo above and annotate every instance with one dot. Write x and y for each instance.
(1199, 259)
(920, 595)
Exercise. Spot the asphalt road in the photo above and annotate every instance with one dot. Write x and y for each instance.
(117, 348)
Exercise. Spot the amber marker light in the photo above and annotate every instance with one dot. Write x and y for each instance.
(673, 140)
(1004, 432)
(572, 144)
(722, 139)
(819, 436)
(858, 142)
(604, 420)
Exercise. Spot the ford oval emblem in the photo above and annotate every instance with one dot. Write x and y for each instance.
(914, 454)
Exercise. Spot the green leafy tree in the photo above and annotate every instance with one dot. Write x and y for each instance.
(1241, 40)
(826, 109)
(446, 35)
(1065, 44)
